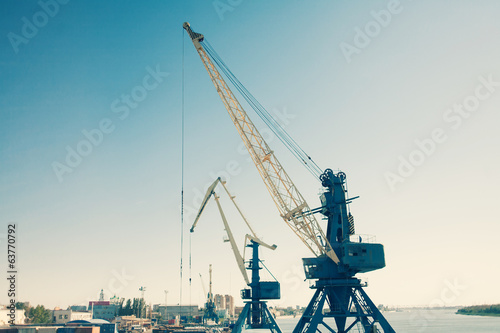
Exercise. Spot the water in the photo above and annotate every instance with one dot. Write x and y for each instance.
(421, 321)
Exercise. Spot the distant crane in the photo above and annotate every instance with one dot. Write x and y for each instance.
(337, 258)
(210, 312)
(255, 314)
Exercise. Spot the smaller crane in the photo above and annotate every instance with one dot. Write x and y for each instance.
(255, 314)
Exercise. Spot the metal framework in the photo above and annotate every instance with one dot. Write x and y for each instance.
(335, 283)
(255, 314)
(210, 304)
(291, 204)
(240, 260)
(346, 299)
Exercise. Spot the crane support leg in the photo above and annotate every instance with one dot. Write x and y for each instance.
(241, 319)
(313, 315)
(348, 305)
(271, 323)
(256, 315)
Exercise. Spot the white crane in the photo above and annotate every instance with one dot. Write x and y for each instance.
(240, 260)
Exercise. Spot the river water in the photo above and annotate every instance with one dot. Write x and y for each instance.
(421, 321)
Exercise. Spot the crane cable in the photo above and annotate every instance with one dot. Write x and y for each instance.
(182, 169)
(268, 119)
(182, 181)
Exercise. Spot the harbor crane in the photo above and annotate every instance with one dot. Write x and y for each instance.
(210, 312)
(338, 254)
(255, 313)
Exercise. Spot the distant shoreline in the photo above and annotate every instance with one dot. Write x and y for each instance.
(481, 310)
(479, 314)
(287, 316)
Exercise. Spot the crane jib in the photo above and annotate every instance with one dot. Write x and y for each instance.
(286, 196)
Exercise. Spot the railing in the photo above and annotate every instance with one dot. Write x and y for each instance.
(361, 238)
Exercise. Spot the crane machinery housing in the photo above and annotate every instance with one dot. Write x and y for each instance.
(339, 256)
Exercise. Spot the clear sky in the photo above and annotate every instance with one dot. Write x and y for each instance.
(402, 96)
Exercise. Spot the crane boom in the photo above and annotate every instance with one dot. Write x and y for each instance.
(291, 204)
(203, 285)
(240, 260)
(211, 191)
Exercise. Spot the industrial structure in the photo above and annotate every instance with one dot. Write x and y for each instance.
(255, 314)
(209, 312)
(338, 255)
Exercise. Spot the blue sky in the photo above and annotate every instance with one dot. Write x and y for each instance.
(113, 222)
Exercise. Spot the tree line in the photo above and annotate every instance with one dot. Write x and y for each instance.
(136, 307)
(35, 314)
(481, 310)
